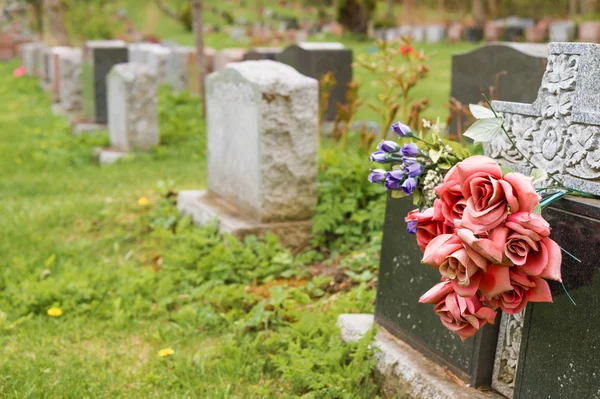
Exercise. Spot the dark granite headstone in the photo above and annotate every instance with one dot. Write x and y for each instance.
(474, 34)
(98, 59)
(517, 69)
(560, 348)
(262, 53)
(402, 280)
(315, 60)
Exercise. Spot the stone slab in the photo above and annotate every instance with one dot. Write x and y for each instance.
(205, 207)
(69, 81)
(80, 128)
(99, 56)
(405, 372)
(106, 156)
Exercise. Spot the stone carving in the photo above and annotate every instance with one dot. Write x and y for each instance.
(507, 353)
(561, 129)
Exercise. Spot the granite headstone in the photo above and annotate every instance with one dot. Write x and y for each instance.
(69, 91)
(262, 53)
(552, 350)
(513, 70)
(98, 58)
(256, 110)
(317, 59)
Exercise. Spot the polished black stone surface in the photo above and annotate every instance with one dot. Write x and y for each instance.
(96, 64)
(473, 34)
(265, 53)
(402, 280)
(514, 34)
(317, 62)
(560, 349)
(514, 71)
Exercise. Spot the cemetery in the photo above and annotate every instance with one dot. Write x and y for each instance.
(285, 198)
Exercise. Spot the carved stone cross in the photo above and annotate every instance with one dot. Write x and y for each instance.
(560, 131)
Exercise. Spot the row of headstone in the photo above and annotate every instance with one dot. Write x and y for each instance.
(430, 33)
(550, 349)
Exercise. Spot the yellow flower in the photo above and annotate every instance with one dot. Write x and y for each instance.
(143, 201)
(166, 352)
(55, 312)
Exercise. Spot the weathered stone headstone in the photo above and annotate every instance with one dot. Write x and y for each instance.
(552, 350)
(227, 56)
(418, 33)
(589, 31)
(435, 33)
(494, 31)
(44, 68)
(402, 280)
(6, 46)
(54, 69)
(317, 59)
(132, 109)
(536, 34)
(98, 59)
(262, 152)
(563, 31)
(513, 71)
(28, 56)
(69, 91)
(262, 53)
(456, 32)
(157, 58)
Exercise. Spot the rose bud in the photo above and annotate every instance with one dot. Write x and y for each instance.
(413, 168)
(377, 176)
(410, 150)
(393, 179)
(401, 129)
(388, 146)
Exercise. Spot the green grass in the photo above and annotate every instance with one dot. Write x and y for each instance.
(246, 320)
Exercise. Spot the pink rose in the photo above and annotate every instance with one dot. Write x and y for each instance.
(489, 195)
(429, 224)
(465, 316)
(525, 289)
(529, 224)
(446, 252)
(490, 247)
(453, 202)
(20, 71)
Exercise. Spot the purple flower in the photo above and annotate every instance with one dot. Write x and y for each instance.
(401, 129)
(393, 179)
(388, 146)
(410, 150)
(411, 228)
(409, 185)
(380, 156)
(413, 168)
(377, 176)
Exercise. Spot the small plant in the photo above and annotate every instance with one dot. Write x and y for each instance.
(396, 71)
(326, 85)
(346, 114)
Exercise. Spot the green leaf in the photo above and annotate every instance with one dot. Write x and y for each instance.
(444, 166)
(506, 170)
(398, 194)
(485, 130)
(417, 196)
(480, 112)
(435, 155)
(538, 209)
(539, 175)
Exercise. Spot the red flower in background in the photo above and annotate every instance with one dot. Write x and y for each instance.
(406, 49)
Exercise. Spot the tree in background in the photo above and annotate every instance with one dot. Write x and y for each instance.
(179, 10)
(199, 36)
(56, 22)
(355, 15)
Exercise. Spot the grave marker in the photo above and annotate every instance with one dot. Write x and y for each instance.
(99, 57)
(262, 152)
(227, 56)
(69, 91)
(563, 31)
(262, 53)
(552, 350)
(315, 60)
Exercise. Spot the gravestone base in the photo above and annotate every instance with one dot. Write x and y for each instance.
(107, 156)
(204, 206)
(80, 128)
(404, 372)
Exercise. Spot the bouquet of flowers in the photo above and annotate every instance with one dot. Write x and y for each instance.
(480, 225)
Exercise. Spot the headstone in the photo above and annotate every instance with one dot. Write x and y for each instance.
(6, 46)
(404, 30)
(227, 56)
(44, 68)
(54, 70)
(435, 33)
(262, 53)
(98, 59)
(418, 33)
(132, 107)
(402, 280)
(390, 34)
(473, 34)
(536, 34)
(493, 31)
(237, 33)
(513, 71)
(28, 56)
(559, 350)
(564, 31)
(456, 32)
(157, 58)
(262, 152)
(317, 59)
(589, 31)
(69, 91)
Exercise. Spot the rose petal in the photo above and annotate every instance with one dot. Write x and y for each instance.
(541, 291)
(476, 165)
(553, 269)
(437, 293)
(537, 261)
(495, 281)
(440, 248)
(525, 192)
(469, 290)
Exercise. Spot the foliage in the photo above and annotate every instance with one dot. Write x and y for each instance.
(355, 15)
(346, 113)
(100, 18)
(397, 72)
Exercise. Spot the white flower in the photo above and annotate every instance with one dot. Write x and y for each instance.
(426, 123)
